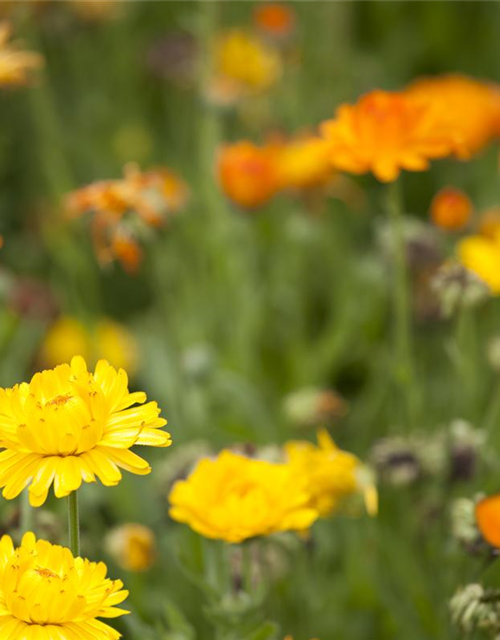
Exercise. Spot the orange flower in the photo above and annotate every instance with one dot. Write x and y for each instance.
(15, 65)
(469, 107)
(451, 209)
(385, 132)
(248, 173)
(304, 163)
(275, 19)
(488, 519)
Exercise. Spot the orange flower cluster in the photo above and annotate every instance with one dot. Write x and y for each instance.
(123, 211)
(250, 175)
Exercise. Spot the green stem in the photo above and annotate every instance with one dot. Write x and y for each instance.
(404, 372)
(74, 523)
(27, 513)
(246, 569)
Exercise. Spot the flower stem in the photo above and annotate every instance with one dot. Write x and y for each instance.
(27, 513)
(403, 372)
(74, 523)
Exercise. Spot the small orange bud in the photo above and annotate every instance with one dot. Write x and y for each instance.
(451, 209)
(488, 519)
(275, 19)
(247, 173)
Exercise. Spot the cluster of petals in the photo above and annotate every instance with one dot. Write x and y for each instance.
(123, 211)
(16, 65)
(47, 594)
(69, 425)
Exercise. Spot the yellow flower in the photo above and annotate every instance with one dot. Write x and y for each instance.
(234, 498)
(15, 66)
(132, 546)
(481, 254)
(304, 163)
(331, 474)
(109, 340)
(467, 106)
(68, 425)
(47, 594)
(386, 132)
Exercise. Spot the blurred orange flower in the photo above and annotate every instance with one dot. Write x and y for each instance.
(304, 163)
(488, 519)
(275, 19)
(469, 107)
(122, 211)
(451, 209)
(15, 65)
(248, 173)
(384, 133)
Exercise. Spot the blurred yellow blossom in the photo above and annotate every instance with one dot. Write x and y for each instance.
(132, 546)
(481, 254)
(107, 339)
(303, 163)
(234, 498)
(15, 65)
(332, 474)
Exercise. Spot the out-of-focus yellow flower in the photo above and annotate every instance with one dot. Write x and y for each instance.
(15, 65)
(481, 254)
(274, 19)
(488, 519)
(234, 498)
(303, 163)
(68, 425)
(384, 133)
(46, 593)
(132, 546)
(107, 339)
(248, 173)
(451, 209)
(331, 474)
(243, 66)
(467, 106)
(122, 211)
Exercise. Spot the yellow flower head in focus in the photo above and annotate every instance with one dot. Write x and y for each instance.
(304, 163)
(386, 132)
(47, 594)
(132, 546)
(469, 107)
(331, 474)
(246, 62)
(68, 426)
(234, 498)
(108, 340)
(15, 65)
(481, 254)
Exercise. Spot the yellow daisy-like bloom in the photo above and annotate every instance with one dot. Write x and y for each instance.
(15, 65)
(481, 254)
(132, 546)
(47, 594)
(332, 474)
(386, 132)
(234, 498)
(69, 426)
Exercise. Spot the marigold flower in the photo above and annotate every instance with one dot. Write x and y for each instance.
(274, 19)
(248, 173)
(46, 593)
(15, 65)
(384, 133)
(469, 107)
(488, 519)
(107, 339)
(68, 426)
(451, 209)
(331, 474)
(303, 163)
(234, 498)
(132, 546)
(481, 255)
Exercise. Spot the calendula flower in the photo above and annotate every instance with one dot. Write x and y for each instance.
(331, 474)
(488, 519)
(248, 173)
(481, 255)
(243, 66)
(304, 163)
(68, 426)
(234, 498)
(47, 594)
(132, 546)
(469, 107)
(451, 209)
(274, 19)
(106, 339)
(15, 65)
(123, 212)
(384, 133)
